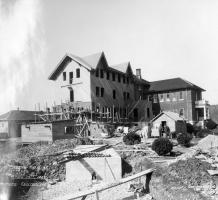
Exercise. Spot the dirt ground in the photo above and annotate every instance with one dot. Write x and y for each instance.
(169, 181)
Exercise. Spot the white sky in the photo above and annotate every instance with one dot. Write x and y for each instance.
(166, 38)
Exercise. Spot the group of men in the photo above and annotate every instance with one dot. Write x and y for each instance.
(164, 131)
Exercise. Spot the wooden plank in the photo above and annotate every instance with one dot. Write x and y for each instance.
(108, 186)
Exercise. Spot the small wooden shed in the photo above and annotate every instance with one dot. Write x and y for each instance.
(171, 119)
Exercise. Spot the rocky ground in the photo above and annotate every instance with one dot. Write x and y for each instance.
(177, 176)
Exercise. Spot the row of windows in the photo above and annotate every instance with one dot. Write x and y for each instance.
(71, 75)
(100, 93)
(173, 95)
(100, 73)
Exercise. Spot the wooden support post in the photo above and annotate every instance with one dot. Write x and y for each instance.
(84, 197)
(96, 194)
(147, 181)
(113, 115)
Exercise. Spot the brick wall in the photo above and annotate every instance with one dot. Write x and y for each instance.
(174, 103)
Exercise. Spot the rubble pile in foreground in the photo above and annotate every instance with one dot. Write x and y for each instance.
(39, 160)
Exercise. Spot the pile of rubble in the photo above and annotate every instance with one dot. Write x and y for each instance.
(39, 160)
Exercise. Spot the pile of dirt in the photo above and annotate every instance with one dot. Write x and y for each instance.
(192, 172)
(39, 160)
(211, 141)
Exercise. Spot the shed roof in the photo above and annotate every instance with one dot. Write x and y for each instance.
(172, 84)
(174, 116)
(18, 115)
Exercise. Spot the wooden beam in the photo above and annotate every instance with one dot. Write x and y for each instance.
(108, 186)
(71, 84)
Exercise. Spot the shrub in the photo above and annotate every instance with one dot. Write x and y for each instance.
(174, 134)
(210, 124)
(131, 138)
(190, 128)
(162, 146)
(184, 139)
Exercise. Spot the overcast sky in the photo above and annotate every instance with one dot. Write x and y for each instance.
(165, 38)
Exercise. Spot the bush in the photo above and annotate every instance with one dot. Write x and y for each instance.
(184, 139)
(131, 138)
(210, 124)
(162, 146)
(190, 128)
(174, 134)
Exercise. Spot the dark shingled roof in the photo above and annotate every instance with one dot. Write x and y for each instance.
(18, 115)
(172, 84)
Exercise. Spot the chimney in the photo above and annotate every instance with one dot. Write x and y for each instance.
(138, 73)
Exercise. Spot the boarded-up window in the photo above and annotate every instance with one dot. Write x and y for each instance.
(77, 72)
(64, 76)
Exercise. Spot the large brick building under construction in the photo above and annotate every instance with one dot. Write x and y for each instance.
(117, 94)
(113, 91)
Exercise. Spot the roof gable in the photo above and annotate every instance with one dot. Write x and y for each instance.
(94, 59)
(172, 84)
(123, 67)
(174, 116)
(88, 62)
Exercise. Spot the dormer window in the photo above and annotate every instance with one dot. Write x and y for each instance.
(97, 73)
(102, 73)
(124, 79)
(113, 76)
(108, 75)
(64, 76)
(119, 78)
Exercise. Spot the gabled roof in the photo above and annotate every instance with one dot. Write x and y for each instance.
(89, 62)
(18, 115)
(93, 59)
(172, 84)
(122, 67)
(174, 116)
